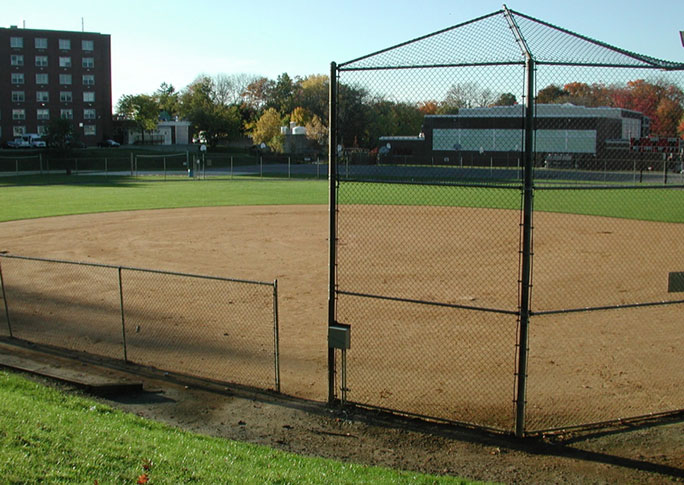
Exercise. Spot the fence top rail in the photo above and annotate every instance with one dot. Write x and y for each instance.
(142, 270)
(163, 155)
(37, 155)
(581, 186)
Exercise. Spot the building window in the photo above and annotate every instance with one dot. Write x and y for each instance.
(42, 130)
(42, 96)
(65, 96)
(88, 80)
(43, 114)
(66, 114)
(17, 78)
(18, 96)
(65, 62)
(89, 130)
(41, 78)
(17, 42)
(88, 114)
(87, 45)
(88, 62)
(64, 44)
(16, 60)
(18, 114)
(65, 79)
(41, 61)
(88, 96)
(41, 43)
(18, 130)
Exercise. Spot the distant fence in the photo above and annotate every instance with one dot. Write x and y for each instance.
(167, 166)
(210, 327)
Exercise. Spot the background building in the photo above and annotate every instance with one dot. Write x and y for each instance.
(490, 134)
(50, 74)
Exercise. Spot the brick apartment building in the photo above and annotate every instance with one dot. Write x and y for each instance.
(50, 74)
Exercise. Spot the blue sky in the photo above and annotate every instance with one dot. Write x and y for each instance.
(175, 41)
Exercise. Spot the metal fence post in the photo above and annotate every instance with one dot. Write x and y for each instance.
(231, 167)
(123, 318)
(40, 163)
(4, 299)
(276, 336)
(332, 228)
(526, 243)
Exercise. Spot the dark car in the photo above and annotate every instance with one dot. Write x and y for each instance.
(108, 144)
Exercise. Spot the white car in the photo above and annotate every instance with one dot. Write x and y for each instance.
(18, 143)
(34, 140)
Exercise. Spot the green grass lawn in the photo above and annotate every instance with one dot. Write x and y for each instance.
(121, 194)
(48, 436)
(78, 195)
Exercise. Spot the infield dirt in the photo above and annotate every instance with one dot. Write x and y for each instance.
(579, 261)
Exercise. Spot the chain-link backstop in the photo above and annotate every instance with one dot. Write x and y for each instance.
(215, 328)
(507, 241)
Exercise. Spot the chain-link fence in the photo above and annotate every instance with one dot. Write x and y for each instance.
(505, 216)
(165, 166)
(215, 328)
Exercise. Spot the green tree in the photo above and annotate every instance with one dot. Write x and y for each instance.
(59, 135)
(167, 99)
(505, 99)
(282, 96)
(551, 94)
(215, 120)
(143, 109)
(353, 115)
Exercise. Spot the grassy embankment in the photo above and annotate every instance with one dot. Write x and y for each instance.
(48, 436)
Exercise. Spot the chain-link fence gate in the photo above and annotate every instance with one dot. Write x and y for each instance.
(506, 243)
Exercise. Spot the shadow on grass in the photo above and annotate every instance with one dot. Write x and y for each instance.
(76, 179)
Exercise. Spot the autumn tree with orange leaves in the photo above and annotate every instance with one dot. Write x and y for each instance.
(661, 102)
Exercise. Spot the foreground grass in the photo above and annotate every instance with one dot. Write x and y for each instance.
(79, 195)
(55, 437)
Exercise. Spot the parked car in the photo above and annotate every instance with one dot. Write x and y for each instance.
(108, 144)
(18, 143)
(34, 140)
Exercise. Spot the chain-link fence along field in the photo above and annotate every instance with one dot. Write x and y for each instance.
(504, 257)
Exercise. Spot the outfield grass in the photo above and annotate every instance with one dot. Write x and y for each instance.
(78, 195)
(122, 194)
(48, 436)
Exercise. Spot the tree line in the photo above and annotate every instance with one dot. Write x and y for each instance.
(232, 106)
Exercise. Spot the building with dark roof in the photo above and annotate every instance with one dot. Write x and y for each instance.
(494, 134)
